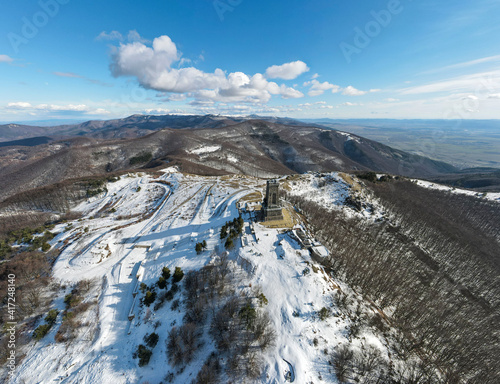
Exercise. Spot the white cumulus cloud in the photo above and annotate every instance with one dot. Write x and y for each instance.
(6, 59)
(153, 67)
(61, 108)
(19, 105)
(351, 91)
(349, 104)
(287, 71)
(317, 88)
(25, 106)
(290, 93)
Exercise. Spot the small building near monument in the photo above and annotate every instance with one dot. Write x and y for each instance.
(303, 239)
(271, 207)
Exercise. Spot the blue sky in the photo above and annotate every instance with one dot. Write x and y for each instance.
(91, 59)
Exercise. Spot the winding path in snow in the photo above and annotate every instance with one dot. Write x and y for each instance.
(290, 375)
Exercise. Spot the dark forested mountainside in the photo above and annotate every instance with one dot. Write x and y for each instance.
(432, 267)
(128, 127)
(252, 147)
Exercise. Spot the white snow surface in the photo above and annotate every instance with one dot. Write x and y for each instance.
(205, 149)
(232, 158)
(329, 191)
(349, 136)
(494, 196)
(170, 220)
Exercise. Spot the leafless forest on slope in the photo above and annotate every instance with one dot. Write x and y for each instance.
(432, 267)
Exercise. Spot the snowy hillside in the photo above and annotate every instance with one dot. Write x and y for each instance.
(112, 260)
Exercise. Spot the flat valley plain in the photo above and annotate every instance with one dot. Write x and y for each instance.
(462, 143)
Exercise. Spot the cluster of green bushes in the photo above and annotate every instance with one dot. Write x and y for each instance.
(95, 187)
(200, 247)
(165, 275)
(151, 339)
(95, 192)
(72, 299)
(43, 329)
(30, 236)
(143, 353)
(42, 241)
(178, 275)
(262, 299)
(95, 183)
(231, 230)
(26, 235)
(372, 177)
(142, 158)
(150, 294)
(324, 313)
(149, 298)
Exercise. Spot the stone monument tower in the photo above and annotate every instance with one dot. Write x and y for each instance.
(272, 208)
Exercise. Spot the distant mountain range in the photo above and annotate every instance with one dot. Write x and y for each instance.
(39, 156)
(129, 127)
